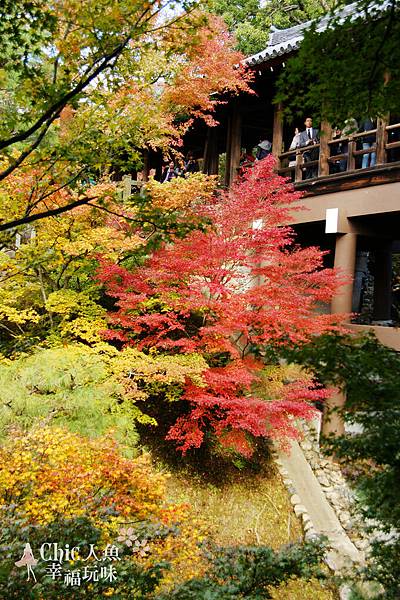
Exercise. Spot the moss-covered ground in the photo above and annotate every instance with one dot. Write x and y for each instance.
(250, 508)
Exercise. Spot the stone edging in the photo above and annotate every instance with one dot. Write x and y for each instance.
(336, 490)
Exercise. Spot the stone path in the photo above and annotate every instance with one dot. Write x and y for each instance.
(310, 502)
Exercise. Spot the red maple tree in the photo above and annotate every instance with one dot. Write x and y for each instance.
(240, 285)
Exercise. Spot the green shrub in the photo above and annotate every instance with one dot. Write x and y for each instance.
(248, 572)
(133, 581)
(368, 372)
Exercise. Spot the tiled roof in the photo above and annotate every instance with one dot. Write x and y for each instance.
(284, 41)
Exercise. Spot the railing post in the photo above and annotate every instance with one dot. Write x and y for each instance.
(127, 187)
(381, 140)
(324, 148)
(298, 173)
(351, 161)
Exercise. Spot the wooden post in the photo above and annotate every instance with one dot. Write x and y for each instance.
(298, 173)
(210, 156)
(381, 140)
(146, 165)
(324, 148)
(236, 142)
(345, 261)
(228, 152)
(277, 133)
(127, 189)
(233, 148)
(351, 161)
(206, 151)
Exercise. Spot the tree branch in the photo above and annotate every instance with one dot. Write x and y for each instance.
(51, 192)
(140, 221)
(53, 112)
(47, 213)
(26, 153)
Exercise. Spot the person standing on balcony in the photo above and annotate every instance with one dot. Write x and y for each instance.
(349, 129)
(368, 160)
(293, 146)
(339, 165)
(169, 173)
(296, 139)
(309, 137)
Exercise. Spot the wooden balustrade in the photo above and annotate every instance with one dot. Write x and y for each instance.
(349, 159)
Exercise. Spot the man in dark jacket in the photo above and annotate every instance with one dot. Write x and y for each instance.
(309, 137)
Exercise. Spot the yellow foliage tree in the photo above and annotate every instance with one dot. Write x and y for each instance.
(51, 474)
(182, 192)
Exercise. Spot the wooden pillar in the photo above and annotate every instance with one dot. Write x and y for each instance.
(324, 149)
(206, 152)
(277, 133)
(127, 187)
(146, 165)
(345, 260)
(383, 283)
(210, 157)
(233, 144)
(381, 139)
(298, 172)
(351, 161)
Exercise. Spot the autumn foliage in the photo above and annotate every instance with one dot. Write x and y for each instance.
(212, 64)
(50, 475)
(226, 292)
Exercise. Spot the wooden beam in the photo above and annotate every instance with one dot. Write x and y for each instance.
(338, 182)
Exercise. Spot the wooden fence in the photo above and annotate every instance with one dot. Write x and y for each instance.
(350, 157)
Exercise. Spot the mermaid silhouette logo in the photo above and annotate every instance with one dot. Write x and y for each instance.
(29, 560)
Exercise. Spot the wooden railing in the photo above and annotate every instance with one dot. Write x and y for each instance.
(349, 159)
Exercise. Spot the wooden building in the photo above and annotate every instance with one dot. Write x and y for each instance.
(353, 197)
